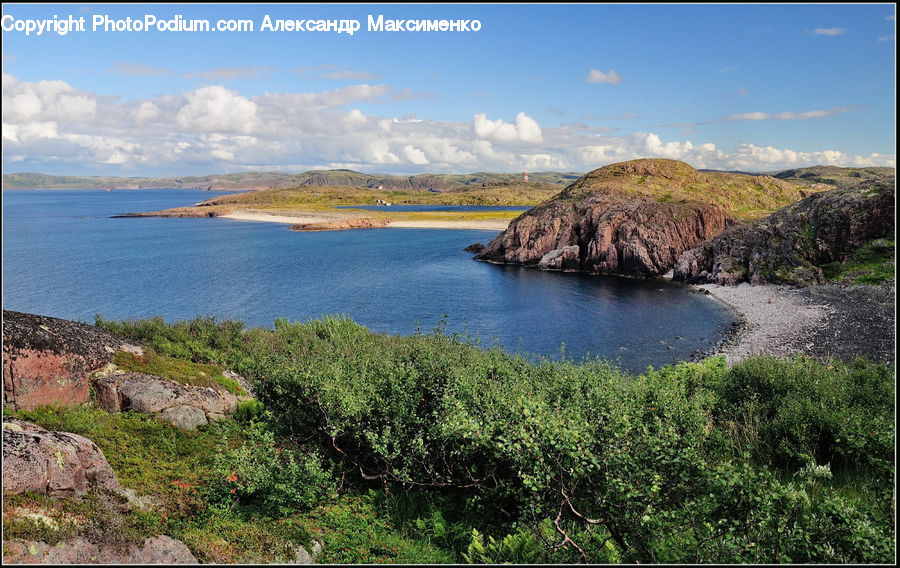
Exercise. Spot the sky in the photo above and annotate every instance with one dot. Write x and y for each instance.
(537, 88)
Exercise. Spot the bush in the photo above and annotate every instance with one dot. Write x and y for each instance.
(799, 411)
(261, 476)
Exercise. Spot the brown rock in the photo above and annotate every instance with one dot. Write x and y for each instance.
(59, 464)
(477, 247)
(616, 233)
(48, 361)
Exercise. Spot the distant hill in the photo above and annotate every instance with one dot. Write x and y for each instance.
(276, 180)
(828, 177)
(815, 177)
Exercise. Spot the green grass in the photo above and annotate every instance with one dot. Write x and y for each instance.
(872, 263)
(149, 456)
(177, 370)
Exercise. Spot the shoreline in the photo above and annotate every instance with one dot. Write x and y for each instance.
(476, 225)
(816, 321)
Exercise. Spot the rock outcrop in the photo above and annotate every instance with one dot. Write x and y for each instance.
(790, 246)
(184, 406)
(342, 225)
(601, 224)
(154, 550)
(58, 464)
(49, 361)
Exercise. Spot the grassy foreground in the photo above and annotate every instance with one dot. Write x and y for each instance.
(428, 449)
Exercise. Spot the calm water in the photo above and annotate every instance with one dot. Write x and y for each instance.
(64, 257)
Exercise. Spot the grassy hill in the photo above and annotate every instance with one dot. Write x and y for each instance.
(829, 177)
(741, 195)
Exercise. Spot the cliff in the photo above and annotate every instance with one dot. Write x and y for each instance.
(633, 218)
(791, 245)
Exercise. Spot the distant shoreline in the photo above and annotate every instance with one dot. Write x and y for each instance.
(476, 225)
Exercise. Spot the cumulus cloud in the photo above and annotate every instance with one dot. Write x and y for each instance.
(597, 76)
(52, 126)
(829, 31)
(525, 129)
(137, 70)
(217, 109)
(414, 156)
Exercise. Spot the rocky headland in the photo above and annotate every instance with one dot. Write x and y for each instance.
(793, 244)
(633, 218)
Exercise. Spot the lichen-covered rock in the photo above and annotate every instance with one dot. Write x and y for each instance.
(789, 246)
(48, 361)
(614, 229)
(184, 406)
(184, 417)
(59, 464)
(154, 550)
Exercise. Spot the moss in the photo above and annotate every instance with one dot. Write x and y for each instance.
(871, 263)
(102, 518)
(177, 370)
(149, 456)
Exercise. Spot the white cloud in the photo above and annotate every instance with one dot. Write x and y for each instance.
(754, 116)
(525, 129)
(348, 74)
(597, 76)
(886, 38)
(137, 70)
(414, 156)
(829, 31)
(217, 109)
(230, 73)
(52, 126)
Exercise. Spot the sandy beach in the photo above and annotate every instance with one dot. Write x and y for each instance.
(476, 225)
(274, 218)
(818, 321)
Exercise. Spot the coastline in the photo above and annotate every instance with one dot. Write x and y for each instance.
(817, 321)
(478, 225)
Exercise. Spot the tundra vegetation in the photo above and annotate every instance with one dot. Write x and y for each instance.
(431, 449)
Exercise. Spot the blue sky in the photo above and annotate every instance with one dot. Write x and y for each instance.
(539, 87)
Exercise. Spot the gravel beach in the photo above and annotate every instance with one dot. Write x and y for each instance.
(819, 321)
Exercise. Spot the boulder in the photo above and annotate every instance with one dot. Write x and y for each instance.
(154, 550)
(59, 464)
(49, 361)
(184, 406)
(184, 417)
(566, 258)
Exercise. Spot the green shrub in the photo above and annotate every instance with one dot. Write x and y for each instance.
(262, 476)
(800, 411)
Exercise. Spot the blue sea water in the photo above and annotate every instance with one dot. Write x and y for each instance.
(63, 256)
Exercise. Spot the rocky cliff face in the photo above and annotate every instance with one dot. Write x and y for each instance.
(599, 224)
(789, 246)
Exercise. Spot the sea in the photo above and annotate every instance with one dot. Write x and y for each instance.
(65, 256)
